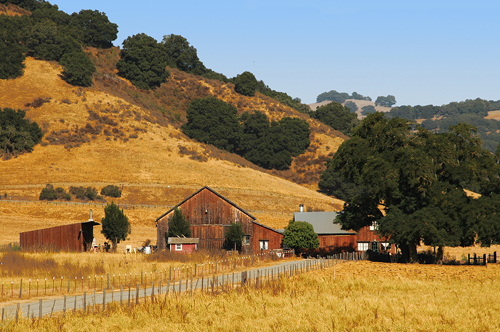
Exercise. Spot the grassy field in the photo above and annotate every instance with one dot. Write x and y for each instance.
(355, 296)
(46, 274)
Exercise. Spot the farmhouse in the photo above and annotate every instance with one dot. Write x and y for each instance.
(332, 239)
(209, 214)
(72, 237)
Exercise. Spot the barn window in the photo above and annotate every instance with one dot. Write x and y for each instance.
(374, 246)
(178, 247)
(246, 240)
(373, 226)
(362, 246)
(385, 246)
(264, 244)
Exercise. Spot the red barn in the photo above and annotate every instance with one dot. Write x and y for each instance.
(183, 245)
(209, 214)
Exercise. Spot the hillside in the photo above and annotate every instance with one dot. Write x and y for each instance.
(113, 133)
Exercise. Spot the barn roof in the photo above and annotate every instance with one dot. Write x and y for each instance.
(183, 240)
(322, 222)
(213, 191)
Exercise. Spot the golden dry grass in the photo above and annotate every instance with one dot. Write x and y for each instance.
(44, 274)
(149, 167)
(360, 296)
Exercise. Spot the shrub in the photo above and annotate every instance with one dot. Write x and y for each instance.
(49, 193)
(142, 62)
(17, 134)
(78, 69)
(85, 194)
(111, 191)
(245, 84)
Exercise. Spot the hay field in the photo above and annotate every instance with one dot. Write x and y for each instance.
(355, 296)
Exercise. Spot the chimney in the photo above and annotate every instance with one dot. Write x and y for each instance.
(301, 207)
(91, 215)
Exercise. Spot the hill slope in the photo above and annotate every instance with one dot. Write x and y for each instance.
(105, 135)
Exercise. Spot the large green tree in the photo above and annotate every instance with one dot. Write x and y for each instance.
(300, 235)
(271, 145)
(115, 224)
(337, 116)
(98, 31)
(211, 120)
(417, 180)
(385, 101)
(178, 225)
(143, 62)
(179, 54)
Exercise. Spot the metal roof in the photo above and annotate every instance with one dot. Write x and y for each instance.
(322, 222)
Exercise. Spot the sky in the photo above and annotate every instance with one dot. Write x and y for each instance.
(421, 52)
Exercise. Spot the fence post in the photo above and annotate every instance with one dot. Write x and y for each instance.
(39, 309)
(494, 257)
(17, 312)
(129, 295)
(21, 289)
(107, 287)
(137, 295)
(121, 295)
(485, 259)
(84, 302)
(64, 306)
(103, 299)
(195, 269)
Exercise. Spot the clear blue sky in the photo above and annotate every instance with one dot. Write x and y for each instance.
(422, 52)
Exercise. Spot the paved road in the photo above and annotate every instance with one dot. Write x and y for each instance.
(43, 308)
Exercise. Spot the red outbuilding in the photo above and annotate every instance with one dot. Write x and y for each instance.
(184, 245)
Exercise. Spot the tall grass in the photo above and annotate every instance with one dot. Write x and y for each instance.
(62, 273)
(358, 296)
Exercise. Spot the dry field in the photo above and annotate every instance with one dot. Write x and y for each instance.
(355, 296)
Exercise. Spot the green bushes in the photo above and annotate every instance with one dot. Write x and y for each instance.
(85, 194)
(111, 191)
(212, 121)
(50, 194)
(17, 134)
(270, 145)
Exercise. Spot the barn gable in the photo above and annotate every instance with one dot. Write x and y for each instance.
(208, 214)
